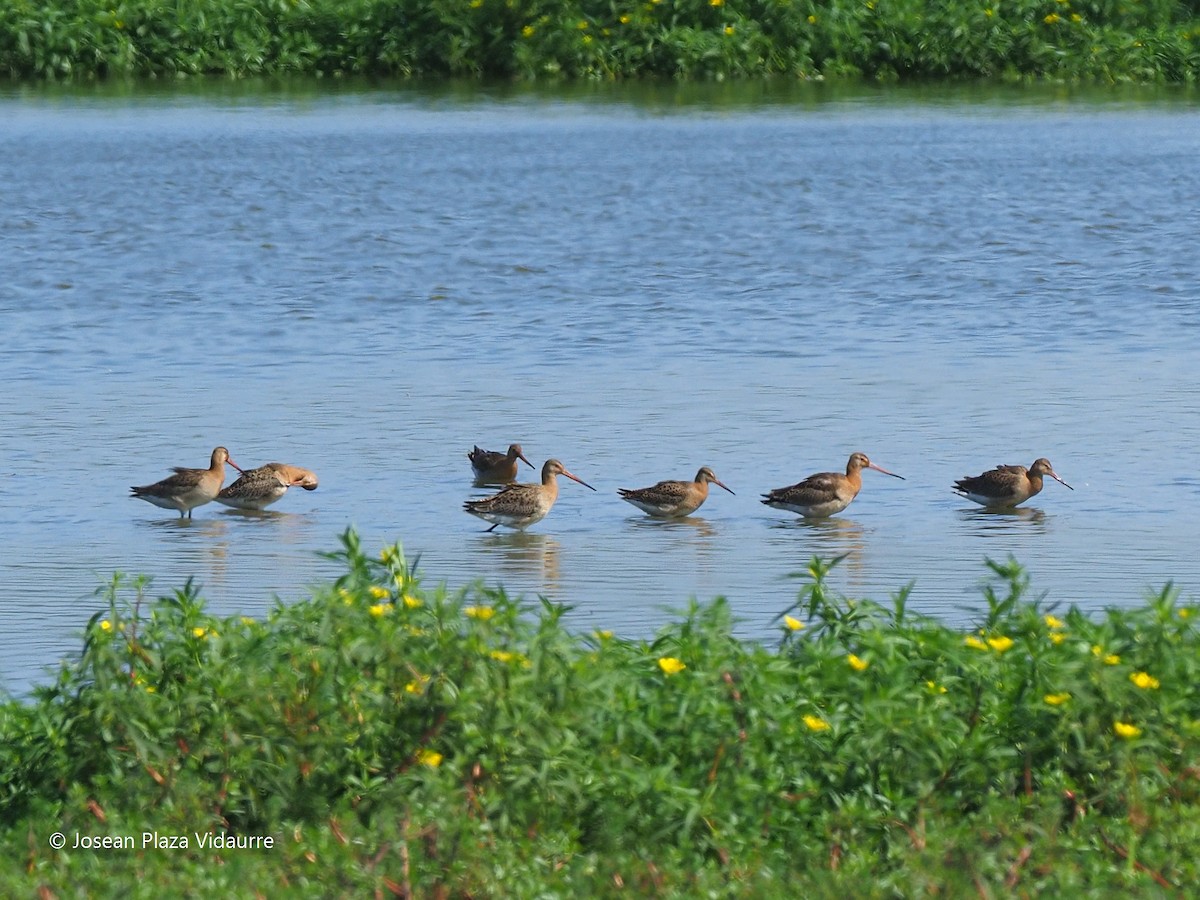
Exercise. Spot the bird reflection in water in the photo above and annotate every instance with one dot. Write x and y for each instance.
(1004, 521)
(272, 534)
(833, 538)
(265, 514)
(283, 524)
(685, 527)
(206, 529)
(524, 554)
(199, 547)
(840, 534)
(837, 536)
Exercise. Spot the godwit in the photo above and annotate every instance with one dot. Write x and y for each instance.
(672, 499)
(188, 488)
(259, 488)
(494, 467)
(520, 505)
(1007, 486)
(825, 493)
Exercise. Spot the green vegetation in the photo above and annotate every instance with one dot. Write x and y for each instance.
(887, 40)
(402, 741)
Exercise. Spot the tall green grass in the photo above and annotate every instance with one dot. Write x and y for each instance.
(1104, 40)
(405, 741)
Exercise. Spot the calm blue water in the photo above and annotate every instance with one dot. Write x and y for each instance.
(367, 282)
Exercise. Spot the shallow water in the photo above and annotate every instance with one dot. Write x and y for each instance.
(368, 281)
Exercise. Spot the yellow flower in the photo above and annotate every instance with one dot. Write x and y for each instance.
(475, 4)
(671, 666)
(430, 758)
(1052, 621)
(812, 20)
(1110, 659)
(792, 623)
(379, 593)
(106, 625)
(417, 686)
(582, 25)
(482, 613)
(1051, 19)
(141, 682)
(246, 620)
(1144, 680)
(935, 687)
(624, 20)
(412, 602)
(1185, 613)
(816, 723)
(587, 38)
(1076, 18)
(387, 554)
(201, 632)
(503, 655)
(380, 609)
(527, 31)
(604, 634)
(989, 13)
(1057, 637)
(1000, 644)
(856, 663)
(1126, 730)
(1057, 699)
(716, 2)
(975, 643)
(729, 29)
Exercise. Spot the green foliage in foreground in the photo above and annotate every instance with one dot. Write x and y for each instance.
(405, 742)
(1104, 40)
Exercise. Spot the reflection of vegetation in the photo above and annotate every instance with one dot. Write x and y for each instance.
(399, 741)
(1107, 40)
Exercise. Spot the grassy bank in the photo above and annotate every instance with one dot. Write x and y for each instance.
(393, 739)
(1105, 40)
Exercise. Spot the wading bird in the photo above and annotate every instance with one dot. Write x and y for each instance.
(673, 499)
(825, 493)
(521, 505)
(259, 488)
(1007, 486)
(188, 488)
(494, 467)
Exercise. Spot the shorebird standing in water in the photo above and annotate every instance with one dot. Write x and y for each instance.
(188, 488)
(1007, 486)
(494, 467)
(521, 505)
(673, 499)
(825, 493)
(258, 488)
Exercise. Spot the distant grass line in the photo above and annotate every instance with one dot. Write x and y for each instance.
(394, 740)
(1155, 41)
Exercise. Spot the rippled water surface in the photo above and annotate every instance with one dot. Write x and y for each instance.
(367, 282)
